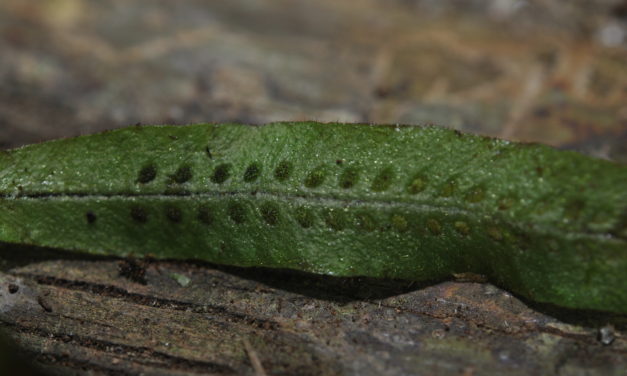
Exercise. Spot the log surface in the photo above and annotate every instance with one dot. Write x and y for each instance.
(108, 316)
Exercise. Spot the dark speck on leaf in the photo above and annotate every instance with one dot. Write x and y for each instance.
(182, 175)
(174, 214)
(139, 214)
(147, 174)
(90, 217)
(221, 173)
(283, 171)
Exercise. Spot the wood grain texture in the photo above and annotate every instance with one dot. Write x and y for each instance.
(92, 315)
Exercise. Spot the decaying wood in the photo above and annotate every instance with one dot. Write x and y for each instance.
(75, 313)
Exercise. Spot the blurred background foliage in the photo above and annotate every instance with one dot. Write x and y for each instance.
(530, 70)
